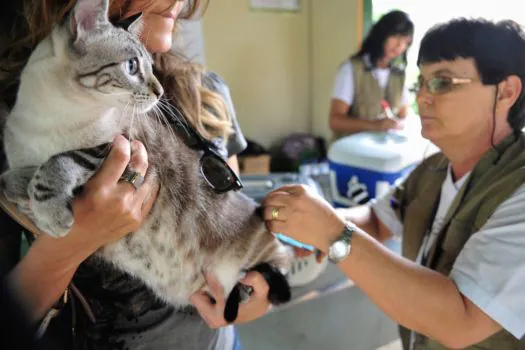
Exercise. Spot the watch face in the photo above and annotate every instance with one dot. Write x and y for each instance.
(339, 249)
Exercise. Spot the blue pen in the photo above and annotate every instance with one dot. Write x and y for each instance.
(293, 242)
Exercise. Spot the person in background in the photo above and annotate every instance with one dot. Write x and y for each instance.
(461, 280)
(375, 74)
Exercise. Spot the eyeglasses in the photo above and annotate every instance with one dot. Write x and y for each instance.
(213, 167)
(439, 85)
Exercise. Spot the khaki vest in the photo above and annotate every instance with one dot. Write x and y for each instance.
(491, 182)
(368, 95)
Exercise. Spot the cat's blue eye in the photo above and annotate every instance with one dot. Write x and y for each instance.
(132, 66)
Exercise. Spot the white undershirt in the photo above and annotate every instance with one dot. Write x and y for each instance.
(449, 190)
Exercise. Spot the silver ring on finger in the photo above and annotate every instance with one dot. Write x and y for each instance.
(133, 177)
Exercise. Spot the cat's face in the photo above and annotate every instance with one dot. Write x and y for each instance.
(109, 62)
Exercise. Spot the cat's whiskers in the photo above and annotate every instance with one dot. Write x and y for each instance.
(167, 110)
(160, 106)
(172, 111)
(139, 106)
(123, 117)
(161, 120)
(132, 117)
(176, 113)
(156, 119)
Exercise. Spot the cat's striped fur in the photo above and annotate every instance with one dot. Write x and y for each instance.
(86, 83)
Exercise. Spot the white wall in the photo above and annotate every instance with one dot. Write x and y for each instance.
(190, 40)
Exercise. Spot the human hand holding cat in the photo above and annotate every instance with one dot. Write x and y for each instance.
(297, 212)
(213, 313)
(106, 210)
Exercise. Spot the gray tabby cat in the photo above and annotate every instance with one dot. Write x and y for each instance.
(75, 96)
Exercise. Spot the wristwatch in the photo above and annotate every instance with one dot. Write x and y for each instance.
(340, 248)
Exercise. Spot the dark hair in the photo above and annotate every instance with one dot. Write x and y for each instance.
(393, 23)
(497, 48)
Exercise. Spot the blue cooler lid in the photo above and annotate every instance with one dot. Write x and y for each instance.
(379, 151)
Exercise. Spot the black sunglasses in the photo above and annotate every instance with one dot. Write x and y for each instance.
(213, 166)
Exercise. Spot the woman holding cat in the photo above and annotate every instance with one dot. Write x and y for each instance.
(127, 313)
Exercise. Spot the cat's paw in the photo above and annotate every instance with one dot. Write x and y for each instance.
(231, 309)
(279, 291)
(240, 294)
(54, 217)
(14, 184)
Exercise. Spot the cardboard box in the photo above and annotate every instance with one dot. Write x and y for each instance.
(255, 164)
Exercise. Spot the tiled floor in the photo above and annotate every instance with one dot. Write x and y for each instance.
(345, 320)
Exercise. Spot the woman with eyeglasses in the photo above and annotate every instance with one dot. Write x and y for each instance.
(372, 76)
(460, 281)
(122, 313)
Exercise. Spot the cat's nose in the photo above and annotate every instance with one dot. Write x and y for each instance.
(156, 89)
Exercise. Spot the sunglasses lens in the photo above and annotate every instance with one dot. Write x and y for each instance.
(217, 173)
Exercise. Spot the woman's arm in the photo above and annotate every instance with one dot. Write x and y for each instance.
(405, 291)
(106, 211)
(365, 217)
(41, 277)
(341, 122)
(414, 296)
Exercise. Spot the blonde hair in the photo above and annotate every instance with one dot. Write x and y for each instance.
(181, 78)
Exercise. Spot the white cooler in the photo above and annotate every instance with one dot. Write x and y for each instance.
(365, 165)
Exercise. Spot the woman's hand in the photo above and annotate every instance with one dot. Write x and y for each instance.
(105, 211)
(213, 313)
(108, 209)
(386, 124)
(297, 212)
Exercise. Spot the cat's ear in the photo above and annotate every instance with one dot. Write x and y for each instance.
(88, 15)
(133, 24)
